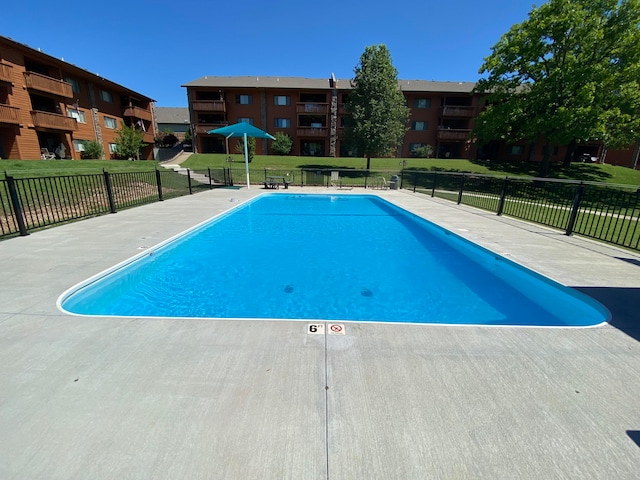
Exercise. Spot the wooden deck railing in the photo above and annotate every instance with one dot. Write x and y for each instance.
(137, 112)
(209, 106)
(312, 131)
(303, 107)
(458, 111)
(5, 72)
(48, 84)
(453, 134)
(53, 121)
(9, 114)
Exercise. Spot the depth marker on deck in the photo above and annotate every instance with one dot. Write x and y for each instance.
(315, 329)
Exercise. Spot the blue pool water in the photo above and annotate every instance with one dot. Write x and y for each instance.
(330, 257)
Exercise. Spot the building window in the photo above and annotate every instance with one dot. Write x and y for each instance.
(244, 99)
(78, 145)
(419, 126)
(517, 150)
(423, 103)
(77, 114)
(283, 123)
(248, 120)
(106, 96)
(75, 85)
(282, 100)
(413, 146)
(110, 122)
(113, 148)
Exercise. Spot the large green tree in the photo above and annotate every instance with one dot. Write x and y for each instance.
(129, 142)
(378, 112)
(568, 74)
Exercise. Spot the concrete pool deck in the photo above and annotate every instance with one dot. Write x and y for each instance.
(105, 398)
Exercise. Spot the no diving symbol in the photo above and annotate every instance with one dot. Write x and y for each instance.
(336, 329)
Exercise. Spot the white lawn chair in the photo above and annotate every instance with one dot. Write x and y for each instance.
(46, 155)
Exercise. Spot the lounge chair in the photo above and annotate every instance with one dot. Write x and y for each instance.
(46, 155)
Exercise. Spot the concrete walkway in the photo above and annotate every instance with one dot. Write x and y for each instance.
(110, 398)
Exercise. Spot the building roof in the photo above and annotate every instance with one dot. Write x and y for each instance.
(35, 53)
(323, 83)
(172, 115)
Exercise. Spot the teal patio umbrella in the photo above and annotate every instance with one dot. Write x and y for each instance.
(244, 130)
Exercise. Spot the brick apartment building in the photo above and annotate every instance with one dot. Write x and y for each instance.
(311, 111)
(46, 102)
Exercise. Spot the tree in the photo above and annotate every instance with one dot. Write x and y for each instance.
(568, 74)
(92, 149)
(251, 146)
(378, 112)
(282, 145)
(128, 142)
(423, 151)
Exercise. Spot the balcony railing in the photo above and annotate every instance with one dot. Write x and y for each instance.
(458, 111)
(5, 73)
(209, 106)
(53, 121)
(137, 112)
(48, 84)
(9, 114)
(302, 107)
(453, 134)
(204, 128)
(312, 131)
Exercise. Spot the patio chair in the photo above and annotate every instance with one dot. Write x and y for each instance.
(46, 155)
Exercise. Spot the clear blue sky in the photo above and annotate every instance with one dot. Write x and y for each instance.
(153, 47)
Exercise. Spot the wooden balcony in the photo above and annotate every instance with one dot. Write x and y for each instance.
(9, 114)
(322, 108)
(209, 106)
(203, 128)
(312, 131)
(456, 111)
(137, 112)
(148, 137)
(5, 73)
(35, 81)
(53, 121)
(453, 134)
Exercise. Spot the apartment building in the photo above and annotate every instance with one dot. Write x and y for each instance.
(311, 111)
(49, 107)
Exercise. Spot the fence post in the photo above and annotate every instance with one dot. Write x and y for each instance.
(159, 183)
(503, 196)
(415, 181)
(461, 189)
(574, 210)
(366, 177)
(433, 186)
(109, 187)
(189, 181)
(301, 178)
(17, 208)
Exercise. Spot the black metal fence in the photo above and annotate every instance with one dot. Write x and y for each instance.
(318, 177)
(33, 203)
(610, 213)
(606, 212)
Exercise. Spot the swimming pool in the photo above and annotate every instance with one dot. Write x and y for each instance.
(329, 257)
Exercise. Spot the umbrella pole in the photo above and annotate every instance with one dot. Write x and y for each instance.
(246, 158)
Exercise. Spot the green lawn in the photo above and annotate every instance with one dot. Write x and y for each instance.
(52, 168)
(577, 171)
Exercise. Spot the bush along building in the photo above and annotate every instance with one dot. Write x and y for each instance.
(49, 108)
